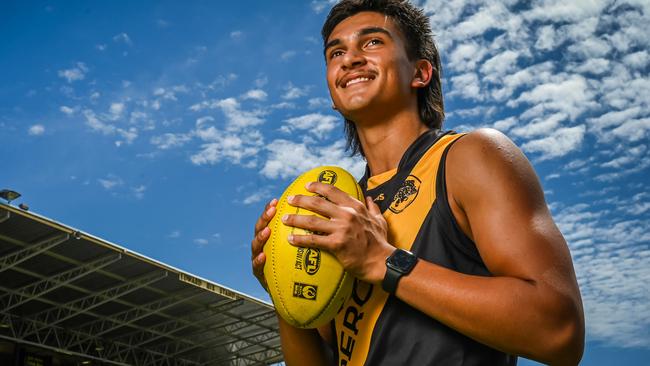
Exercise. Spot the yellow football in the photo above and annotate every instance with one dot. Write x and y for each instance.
(307, 286)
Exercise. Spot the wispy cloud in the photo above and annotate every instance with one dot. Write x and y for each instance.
(110, 182)
(78, 72)
(123, 38)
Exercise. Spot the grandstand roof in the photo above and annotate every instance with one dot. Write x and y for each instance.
(73, 293)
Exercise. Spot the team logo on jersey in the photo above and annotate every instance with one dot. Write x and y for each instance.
(327, 177)
(304, 291)
(406, 194)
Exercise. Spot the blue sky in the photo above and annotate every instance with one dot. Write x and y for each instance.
(165, 127)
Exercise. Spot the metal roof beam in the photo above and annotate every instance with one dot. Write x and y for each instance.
(130, 316)
(47, 284)
(167, 328)
(56, 338)
(83, 305)
(5, 216)
(249, 340)
(11, 260)
(214, 328)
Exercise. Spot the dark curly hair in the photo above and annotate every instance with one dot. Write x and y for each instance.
(415, 28)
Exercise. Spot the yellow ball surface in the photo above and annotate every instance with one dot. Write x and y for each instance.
(308, 286)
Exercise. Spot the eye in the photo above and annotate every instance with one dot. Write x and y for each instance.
(374, 41)
(335, 53)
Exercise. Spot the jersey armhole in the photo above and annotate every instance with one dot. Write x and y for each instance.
(451, 228)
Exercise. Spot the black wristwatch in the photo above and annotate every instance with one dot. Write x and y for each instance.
(398, 264)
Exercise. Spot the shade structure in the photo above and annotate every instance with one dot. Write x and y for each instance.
(74, 298)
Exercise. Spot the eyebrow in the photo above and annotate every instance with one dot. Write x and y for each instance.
(362, 32)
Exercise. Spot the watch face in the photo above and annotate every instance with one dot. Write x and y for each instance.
(402, 260)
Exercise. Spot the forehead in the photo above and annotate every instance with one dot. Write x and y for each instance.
(351, 25)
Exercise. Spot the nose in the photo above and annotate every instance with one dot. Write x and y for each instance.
(352, 59)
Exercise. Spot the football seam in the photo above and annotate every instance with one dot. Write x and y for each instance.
(277, 287)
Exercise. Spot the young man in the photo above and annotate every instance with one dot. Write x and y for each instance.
(489, 277)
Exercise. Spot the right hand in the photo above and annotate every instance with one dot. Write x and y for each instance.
(262, 233)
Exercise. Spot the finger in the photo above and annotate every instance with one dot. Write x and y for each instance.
(310, 241)
(258, 269)
(260, 239)
(373, 208)
(267, 215)
(334, 194)
(309, 222)
(313, 203)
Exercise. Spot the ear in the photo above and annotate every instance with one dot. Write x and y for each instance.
(423, 73)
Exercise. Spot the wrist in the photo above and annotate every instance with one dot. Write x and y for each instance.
(399, 264)
(377, 271)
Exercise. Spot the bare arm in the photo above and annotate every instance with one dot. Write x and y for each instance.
(531, 306)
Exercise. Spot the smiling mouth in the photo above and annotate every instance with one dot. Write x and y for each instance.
(357, 80)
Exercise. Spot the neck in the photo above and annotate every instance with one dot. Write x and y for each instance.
(385, 142)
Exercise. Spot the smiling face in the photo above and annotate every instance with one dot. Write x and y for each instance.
(368, 70)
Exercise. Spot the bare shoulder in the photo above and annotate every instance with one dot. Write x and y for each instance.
(487, 175)
(486, 160)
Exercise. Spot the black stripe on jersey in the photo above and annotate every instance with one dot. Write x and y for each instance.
(405, 336)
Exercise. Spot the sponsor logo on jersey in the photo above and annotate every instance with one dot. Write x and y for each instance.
(304, 291)
(353, 315)
(327, 177)
(406, 194)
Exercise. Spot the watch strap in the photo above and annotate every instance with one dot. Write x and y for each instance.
(392, 277)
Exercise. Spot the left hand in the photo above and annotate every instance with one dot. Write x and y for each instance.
(353, 232)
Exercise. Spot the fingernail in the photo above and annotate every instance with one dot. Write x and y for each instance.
(290, 238)
(285, 218)
(269, 211)
(308, 185)
(290, 198)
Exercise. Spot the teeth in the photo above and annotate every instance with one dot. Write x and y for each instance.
(356, 80)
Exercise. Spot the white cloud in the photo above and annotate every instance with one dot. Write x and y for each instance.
(116, 109)
(498, 66)
(255, 94)
(174, 234)
(571, 96)
(96, 124)
(36, 130)
(73, 74)
(287, 55)
(287, 159)
(559, 143)
(238, 119)
(110, 182)
(240, 146)
(201, 242)
(466, 86)
(67, 110)
(320, 5)
(170, 140)
(637, 60)
(465, 57)
(236, 34)
(101, 47)
(317, 103)
(294, 92)
(256, 197)
(319, 125)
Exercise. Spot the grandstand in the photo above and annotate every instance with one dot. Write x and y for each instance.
(70, 298)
